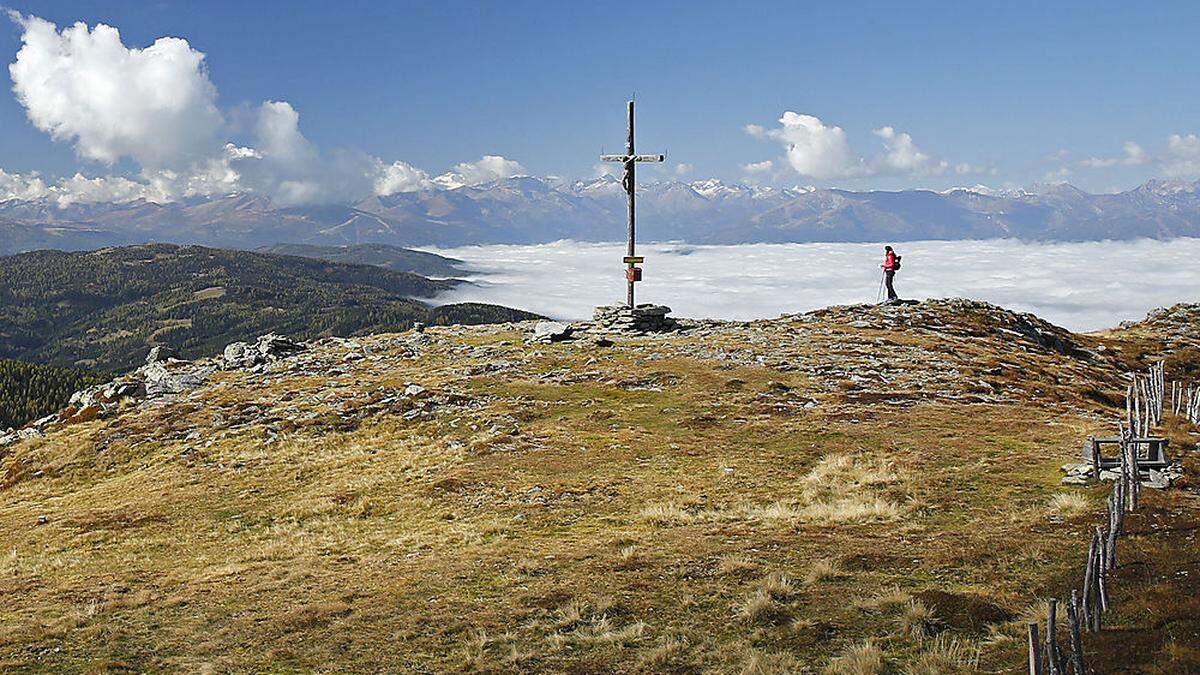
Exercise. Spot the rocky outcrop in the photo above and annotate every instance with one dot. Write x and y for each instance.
(960, 314)
(163, 375)
(267, 348)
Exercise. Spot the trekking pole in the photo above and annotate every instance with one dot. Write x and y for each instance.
(879, 295)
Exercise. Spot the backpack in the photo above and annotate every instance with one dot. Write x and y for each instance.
(897, 267)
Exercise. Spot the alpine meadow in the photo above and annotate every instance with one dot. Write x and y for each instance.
(475, 337)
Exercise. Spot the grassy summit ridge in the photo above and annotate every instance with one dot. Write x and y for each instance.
(845, 488)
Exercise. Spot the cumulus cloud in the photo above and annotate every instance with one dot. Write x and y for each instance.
(812, 148)
(764, 166)
(902, 156)
(1056, 281)
(79, 189)
(400, 177)
(1183, 156)
(1059, 174)
(1132, 155)
(822, 151)
(683, 169)
(484, 170)
(966, 169)
(155, 105)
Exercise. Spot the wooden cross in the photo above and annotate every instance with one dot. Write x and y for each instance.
(629, 160)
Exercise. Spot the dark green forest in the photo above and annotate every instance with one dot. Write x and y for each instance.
(381, 255)
(102, 310)
(29, 391)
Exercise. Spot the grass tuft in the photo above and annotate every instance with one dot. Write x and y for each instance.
(917, 621)
(822, 570)
(1069, 505)
(865, 658)
(945, 655)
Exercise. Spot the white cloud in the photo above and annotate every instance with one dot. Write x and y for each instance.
(812, 148)
(683, 169)
(1183, 156)
(484, 170)
(818, 150)
(401, 177)
(1059, 174)
(764, 166)
(1056, 281)
(21, 186)
(967, 169)
(78, 189)
(902, 155)
(155, 105)
(1132, 155)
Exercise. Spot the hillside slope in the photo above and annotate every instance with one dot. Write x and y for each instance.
(29, 390)
(381, 255)
(104, 309)
(769, 496)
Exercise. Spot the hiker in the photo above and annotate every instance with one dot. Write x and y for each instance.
(891, 263)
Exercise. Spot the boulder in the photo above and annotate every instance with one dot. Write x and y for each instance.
(160, 353)
(272, 346)
(239, 355)
(161, 380)
(551, 331)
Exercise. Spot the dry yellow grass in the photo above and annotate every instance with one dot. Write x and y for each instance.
(917, 621)
(822, 570)
(945, 656)
(865, 658)
(615, 512)
(1070, 504)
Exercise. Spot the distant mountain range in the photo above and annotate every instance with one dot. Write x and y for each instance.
(526, 209)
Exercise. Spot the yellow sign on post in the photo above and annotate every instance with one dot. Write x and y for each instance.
(633, 259)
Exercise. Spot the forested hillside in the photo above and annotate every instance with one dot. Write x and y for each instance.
(29, 391)
(381, 255)
(104, 309)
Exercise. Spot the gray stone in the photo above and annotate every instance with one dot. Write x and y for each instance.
(239, 355)
(551, 331)
(160, 353)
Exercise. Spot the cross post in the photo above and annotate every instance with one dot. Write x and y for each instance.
(629, 159)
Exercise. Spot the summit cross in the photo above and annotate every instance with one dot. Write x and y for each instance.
(629, 159)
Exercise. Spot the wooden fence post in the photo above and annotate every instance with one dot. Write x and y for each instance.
(1076, 639)
(1052, 659)
(1035, 651)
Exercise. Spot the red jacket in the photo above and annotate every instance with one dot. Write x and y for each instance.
(889, 262)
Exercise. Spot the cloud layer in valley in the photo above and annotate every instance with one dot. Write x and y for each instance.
(157, 107)
(1060, 282)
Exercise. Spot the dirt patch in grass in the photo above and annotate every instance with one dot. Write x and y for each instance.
(963, 612)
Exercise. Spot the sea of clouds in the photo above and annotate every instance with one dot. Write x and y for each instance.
(1081, 286)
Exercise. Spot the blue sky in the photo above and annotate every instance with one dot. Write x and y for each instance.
(988, 92)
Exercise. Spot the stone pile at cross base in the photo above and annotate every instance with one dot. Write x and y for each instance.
(645, 318)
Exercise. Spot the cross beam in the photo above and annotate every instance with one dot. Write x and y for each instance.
(629, 159)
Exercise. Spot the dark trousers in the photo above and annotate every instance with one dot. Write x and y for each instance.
(888, 276)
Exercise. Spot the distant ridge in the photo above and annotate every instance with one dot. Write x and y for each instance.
(104, 309)
(387, 256)
(528, 210)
